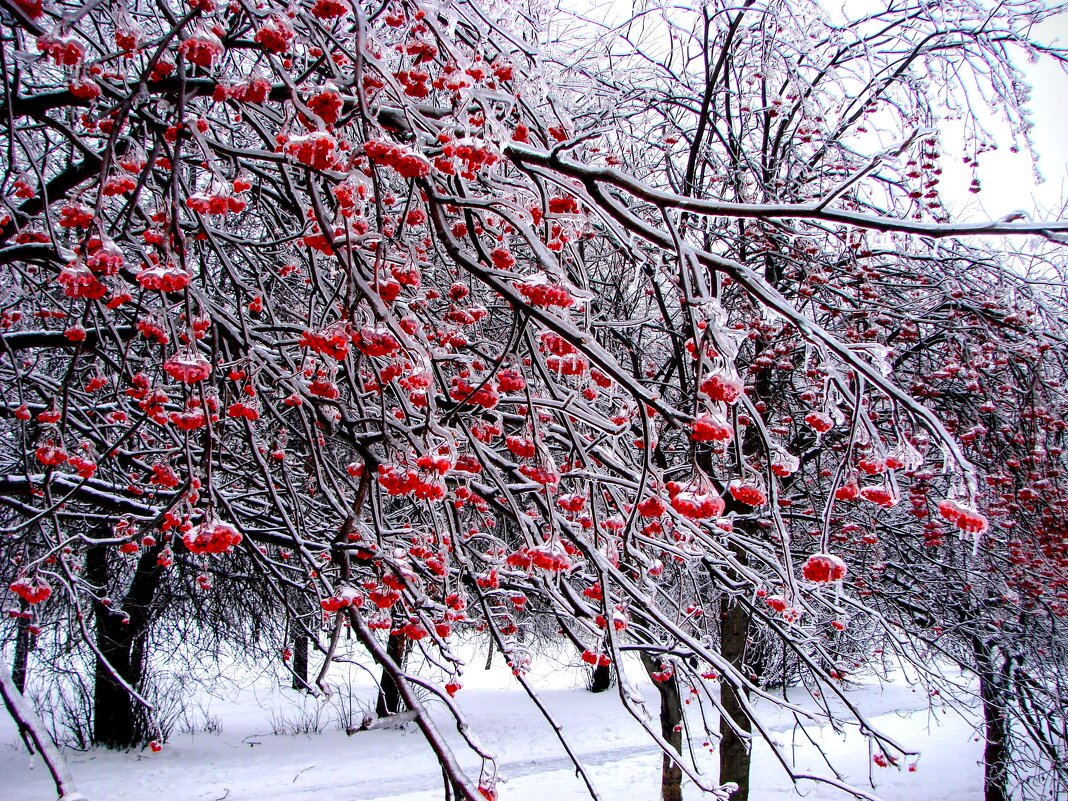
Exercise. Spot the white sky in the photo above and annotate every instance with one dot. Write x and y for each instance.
(1008, 180)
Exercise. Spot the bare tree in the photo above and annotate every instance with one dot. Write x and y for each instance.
(357, 302)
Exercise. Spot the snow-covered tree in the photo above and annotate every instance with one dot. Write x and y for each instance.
(423, 318)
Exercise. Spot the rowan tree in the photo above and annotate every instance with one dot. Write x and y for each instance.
(749, 121)
(358, 298)
(994, 607)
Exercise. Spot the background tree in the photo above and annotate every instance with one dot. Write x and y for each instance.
(994, 369)
(354, 302)
(741, 117)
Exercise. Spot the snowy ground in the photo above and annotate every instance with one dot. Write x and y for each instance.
(247, 762)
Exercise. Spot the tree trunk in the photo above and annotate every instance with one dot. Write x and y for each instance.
(389, 699)
(601, 679)
(993, 683)
(734, 750)
(670, 730)
(115, 720)
(23, 646)
(300, 660)
(118, 722)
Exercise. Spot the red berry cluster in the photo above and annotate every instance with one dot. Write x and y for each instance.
(722, 387)
(275, 35)
(749, 494)
(821, 568)
(333, 341)
(203, 48)
(32, 591)
(545, 294)
(695, 505)
(214, 538)
(710, 428)
(967, 520)
(316, 150)
(404, 161)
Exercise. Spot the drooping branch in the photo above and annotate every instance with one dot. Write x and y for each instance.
(32, 730)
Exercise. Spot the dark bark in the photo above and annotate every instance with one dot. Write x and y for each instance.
(101, 494)
(993, 675)
(51, 340)
(118, 720)
(23, 646)
(670, 730)
(601, 679)
(115, 720)
(733, 749)
(59, 186)
(389, 697)
(300, 660)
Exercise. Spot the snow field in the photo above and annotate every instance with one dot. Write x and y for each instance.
(247, 762)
